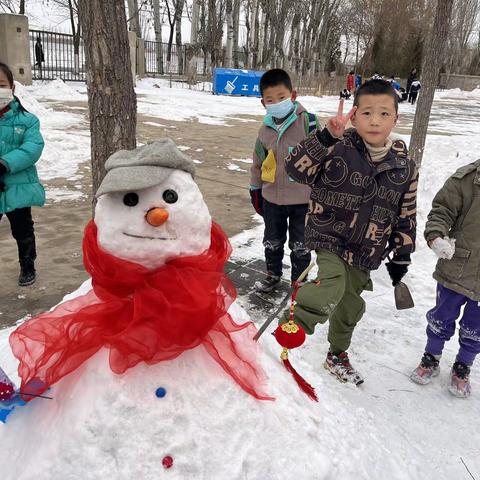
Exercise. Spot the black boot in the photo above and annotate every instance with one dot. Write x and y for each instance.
(27, 254)
(27, 273)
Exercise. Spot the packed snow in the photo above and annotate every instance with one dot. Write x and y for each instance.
(387, 428)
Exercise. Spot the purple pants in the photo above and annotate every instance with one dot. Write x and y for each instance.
(441, 324)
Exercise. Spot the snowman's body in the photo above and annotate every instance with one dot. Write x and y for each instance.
(100, 425)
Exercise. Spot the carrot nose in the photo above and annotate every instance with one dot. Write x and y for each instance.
(156, 216)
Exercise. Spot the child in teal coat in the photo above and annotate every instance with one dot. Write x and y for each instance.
(21, 145)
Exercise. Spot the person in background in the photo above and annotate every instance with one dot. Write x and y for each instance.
(394, 83)
(345, 94)
(402, 95)
(411, 77)
(21, 145)
(358, 81)
(351, 81)
(414, 89)
(39, 55)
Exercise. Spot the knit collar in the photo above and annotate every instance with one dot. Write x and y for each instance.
(378, 153)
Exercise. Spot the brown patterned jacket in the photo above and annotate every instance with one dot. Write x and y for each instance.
(358, 209)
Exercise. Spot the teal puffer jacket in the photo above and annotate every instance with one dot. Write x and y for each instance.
(21, 145)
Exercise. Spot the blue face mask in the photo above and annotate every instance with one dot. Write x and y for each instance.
(281, 109)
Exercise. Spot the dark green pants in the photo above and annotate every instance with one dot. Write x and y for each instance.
(334, 296)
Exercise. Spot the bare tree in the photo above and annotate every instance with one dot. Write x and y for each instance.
(7, 6)
(157, 25)
(70, 8)
(195, 21)
(178, 34)
(134, 17)
(236, 30)
(174, 16)
(430, 69)
(464, 20)
(229, 48)
(111, 97)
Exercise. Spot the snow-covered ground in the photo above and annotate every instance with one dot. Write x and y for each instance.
(387, 428)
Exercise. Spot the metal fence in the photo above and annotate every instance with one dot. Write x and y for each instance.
(159, 62)
(53, 56)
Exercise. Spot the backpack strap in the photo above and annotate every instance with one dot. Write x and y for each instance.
(311, 123)
(261, 151)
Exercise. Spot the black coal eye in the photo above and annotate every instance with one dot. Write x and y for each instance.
(130, 199)
(170, 196)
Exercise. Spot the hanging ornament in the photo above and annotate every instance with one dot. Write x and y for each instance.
(291, 335)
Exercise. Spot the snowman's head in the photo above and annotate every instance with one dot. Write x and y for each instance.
(159, 222)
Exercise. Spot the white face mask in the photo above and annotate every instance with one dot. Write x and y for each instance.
(6, 96)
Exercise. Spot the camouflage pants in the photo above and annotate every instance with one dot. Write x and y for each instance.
(333, 296)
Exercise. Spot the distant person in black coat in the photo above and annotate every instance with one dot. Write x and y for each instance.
(345, 94)
(411, 78)
(414, 89)
(39, 55)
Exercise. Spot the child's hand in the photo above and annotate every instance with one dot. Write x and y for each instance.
(336, 125)
(443, 247)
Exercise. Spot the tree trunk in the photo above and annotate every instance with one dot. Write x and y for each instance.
(430, 69)
(256, 38)
(178, 35)
(21, 10)
(251, 33)
(171, 22)
(157, 25)
(236, 29)
(194, 27)
(264, 39)
(229, 49)
(111, 98)
(134, 18)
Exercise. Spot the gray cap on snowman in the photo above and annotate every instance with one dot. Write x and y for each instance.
(144, 167)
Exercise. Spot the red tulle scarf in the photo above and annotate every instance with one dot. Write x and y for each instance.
(141, 316)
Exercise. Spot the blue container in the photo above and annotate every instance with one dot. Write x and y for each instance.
(231, 81)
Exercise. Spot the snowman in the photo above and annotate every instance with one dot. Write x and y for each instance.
(149, 370)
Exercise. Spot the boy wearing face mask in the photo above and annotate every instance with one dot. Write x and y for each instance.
(21, 145)
(282, 202)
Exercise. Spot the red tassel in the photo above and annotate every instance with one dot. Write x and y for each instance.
(301, 382)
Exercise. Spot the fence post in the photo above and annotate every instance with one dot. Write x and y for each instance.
(15, 47)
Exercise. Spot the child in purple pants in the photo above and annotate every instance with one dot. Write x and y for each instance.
(453, 233)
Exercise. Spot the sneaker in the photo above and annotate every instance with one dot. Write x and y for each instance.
(267, 284)
(459, 380)
(27, 274)
(339, 365)
(429, 368)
